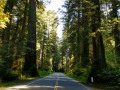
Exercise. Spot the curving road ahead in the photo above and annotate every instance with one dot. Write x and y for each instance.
(56, 81)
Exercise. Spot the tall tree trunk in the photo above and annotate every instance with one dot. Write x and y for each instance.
(42, 53)
(99, 61)
(116, 31)
(67, 50)
(5, 53)
(22, 33)
(30, 66)
(67, 29)
(85, 40)
(78, 62)
(12, 45)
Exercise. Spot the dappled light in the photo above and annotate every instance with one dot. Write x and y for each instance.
(25, 87)
(46, 44)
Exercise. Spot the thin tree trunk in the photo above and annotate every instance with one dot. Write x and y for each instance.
(78, 61)
(42, 53)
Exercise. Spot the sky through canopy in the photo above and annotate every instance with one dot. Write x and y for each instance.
(55, 5)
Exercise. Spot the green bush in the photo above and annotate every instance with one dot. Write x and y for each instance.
(46, 66)
(10, 76)
(43, 73)
(111, 76)
(80, 74)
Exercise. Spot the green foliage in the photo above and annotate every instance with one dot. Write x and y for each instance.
(80, 71)
(80, 74)
(46, 65)
(10, 76)
(43, 73)
(3, 16)
(110, 76)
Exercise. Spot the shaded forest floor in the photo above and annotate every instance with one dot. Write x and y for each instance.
(14, 83)
(6, 84)
(99, 86)
(95, 86)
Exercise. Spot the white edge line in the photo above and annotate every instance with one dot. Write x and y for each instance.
(32, 82)
(29, 83)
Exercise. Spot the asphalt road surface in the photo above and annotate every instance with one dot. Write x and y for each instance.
(56, 81)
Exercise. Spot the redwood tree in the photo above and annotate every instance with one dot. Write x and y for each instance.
(30, 67)
(115, 30)
(99, 61)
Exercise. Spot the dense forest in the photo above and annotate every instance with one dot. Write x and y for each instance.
(89, 48)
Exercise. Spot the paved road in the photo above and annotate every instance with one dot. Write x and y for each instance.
(56, 81)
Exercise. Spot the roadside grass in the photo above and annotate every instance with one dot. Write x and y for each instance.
(15, 82)
(95, 86)
(23, 79)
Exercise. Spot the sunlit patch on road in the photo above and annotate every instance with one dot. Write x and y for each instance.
(25, 87)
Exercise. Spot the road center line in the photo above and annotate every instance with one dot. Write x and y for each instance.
(56, 83)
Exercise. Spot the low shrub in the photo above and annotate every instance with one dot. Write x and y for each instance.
(80, 74)
(43, 73)
(111, 76)
(10, 76)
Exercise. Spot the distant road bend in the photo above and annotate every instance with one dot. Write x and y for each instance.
(56, 81)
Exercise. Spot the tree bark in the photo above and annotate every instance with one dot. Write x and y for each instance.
(99, 61)
(5, 53)
(30, 66)
(116, 31)
(85, 34)
(78, 62)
